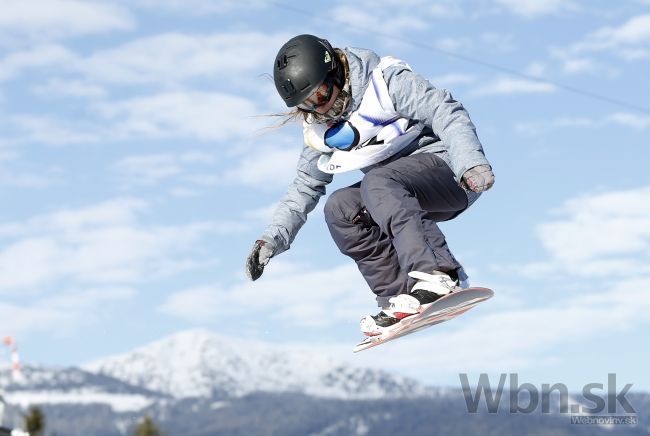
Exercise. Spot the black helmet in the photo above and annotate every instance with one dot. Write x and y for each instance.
(301, 66)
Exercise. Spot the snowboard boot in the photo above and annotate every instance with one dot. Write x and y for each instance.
(425, 292)
(388, 319)
(377, 325)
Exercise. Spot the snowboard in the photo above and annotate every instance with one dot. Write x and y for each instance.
(443, 309)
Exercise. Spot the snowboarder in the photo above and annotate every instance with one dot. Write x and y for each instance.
(422, 163)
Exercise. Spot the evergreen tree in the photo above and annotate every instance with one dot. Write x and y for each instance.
(34, 421)
(147, 428)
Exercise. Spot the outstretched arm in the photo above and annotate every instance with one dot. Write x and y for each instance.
(291, 213)
(301, 198)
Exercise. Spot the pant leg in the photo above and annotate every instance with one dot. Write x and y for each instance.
(363, 241)
(406, 198)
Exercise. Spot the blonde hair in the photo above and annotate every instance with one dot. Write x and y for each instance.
(295, 115)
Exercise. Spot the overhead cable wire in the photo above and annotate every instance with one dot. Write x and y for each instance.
(469, 59)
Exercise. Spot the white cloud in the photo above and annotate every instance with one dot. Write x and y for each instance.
(50, 131)
(7, 155)
(200, 7)
(611, 223)
(535, 128)
(100, 244)
(635, 31)
(122, 211)
(10, 175)
(625, 119)
(193, 115)
(450, 80)
(153, 168)
(364, 15)
(263, 214)
(270, 168)
(599, 235)
(395, 16)
(583, 65)
(536, 8)
(195, 305)
(184, 192)
(69, 88)
(440, 9)
(454, 44)
(61, 18)
(498, 42)
(168, 60)
(488, 42)
(575, 66)
(64, 312)
(639, 122)
(43, 56)
(537, 69)
(203, 116)
(511, 86)
(631, 41)
(281, 294)
(29, 180)
(173, 57)
(164, 59)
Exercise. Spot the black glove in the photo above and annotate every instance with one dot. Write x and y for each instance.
(479, 178)
(260, 254)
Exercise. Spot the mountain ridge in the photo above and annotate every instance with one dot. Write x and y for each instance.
(201, 363)
(185, 383)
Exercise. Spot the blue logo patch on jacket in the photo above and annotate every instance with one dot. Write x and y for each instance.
(343, 136)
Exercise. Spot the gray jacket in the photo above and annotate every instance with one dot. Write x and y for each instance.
(448, 131)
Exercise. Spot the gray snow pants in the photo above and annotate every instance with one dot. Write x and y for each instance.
(387, 222)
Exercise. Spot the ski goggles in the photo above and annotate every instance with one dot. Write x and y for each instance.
(318, 98)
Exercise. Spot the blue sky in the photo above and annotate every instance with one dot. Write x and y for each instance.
(136, 172)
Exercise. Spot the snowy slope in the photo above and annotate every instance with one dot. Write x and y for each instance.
(40, 385)
(199, 363)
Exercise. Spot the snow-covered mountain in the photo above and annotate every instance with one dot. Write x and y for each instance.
(199, 383)
(200, 363)
(40, 385)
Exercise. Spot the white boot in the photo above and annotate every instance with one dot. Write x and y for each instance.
(426, 290)
(380, 324)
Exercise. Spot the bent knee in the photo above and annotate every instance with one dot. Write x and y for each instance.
(342, 205)
(378, 184)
